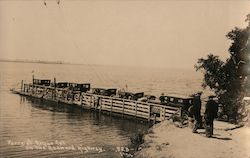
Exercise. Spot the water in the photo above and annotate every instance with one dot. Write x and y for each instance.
(27, 124)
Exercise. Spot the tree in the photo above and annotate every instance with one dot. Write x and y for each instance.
(230, 79)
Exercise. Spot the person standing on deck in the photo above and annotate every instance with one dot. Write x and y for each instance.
(197, 111)
(162, 98)
(210, 115)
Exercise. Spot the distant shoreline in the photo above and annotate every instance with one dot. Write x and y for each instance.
(88, 64)
(32, 61)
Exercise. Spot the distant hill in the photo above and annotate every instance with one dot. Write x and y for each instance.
(32, 61)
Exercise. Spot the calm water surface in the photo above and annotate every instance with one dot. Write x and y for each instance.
(29, 128)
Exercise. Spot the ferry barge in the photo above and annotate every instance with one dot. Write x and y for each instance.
(137, 105)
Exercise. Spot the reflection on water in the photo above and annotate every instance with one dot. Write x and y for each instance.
(30, 120)
(27, 120)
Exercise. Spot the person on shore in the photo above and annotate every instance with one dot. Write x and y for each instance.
(210, 114)
(197, 111)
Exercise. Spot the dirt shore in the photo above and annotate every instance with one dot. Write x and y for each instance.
(165, 140)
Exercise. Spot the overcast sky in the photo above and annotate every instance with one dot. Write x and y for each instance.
(163, 33)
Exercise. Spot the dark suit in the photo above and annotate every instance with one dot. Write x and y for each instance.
(197, 112)
(210, 115)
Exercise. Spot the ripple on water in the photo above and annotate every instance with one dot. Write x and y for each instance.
(23, 119)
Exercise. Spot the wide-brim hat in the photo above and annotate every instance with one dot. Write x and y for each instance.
(211, 96)
(198, 94)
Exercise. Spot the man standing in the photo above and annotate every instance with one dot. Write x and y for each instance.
(162, 98)
(197, 111)
(210, 115)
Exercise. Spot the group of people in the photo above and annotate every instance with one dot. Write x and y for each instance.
(209, 115)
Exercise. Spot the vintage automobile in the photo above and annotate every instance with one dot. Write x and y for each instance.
(147, 98)
(62, 85)
(130, 95)
(41, 82)
(104, 92)
(82, 87)
(177, 101)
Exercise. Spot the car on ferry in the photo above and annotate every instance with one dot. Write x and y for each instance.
(105, 92)
(147, 98)
(177, 101)
(130, 95)
(41, 82)
(80, 87)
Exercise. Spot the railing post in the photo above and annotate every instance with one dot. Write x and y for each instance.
(149, 112)
(111, 108)
(33, 78)
(33, 90)
(154, 121)
(45, 92)
(100, 104)
(136, 109)
(90, 101)
(123, 104)
(96, 101)
(164, 113)
(180, 114)
(54, 96)
(80, 98)
(22, 86)
(161, 114)
(66, 96)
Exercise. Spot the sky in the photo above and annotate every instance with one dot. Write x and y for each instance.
(159, 33)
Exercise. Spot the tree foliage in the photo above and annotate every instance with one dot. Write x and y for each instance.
(230, 79)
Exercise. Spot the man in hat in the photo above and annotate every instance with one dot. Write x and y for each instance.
(162, 98)
(197, 111)
(210, 115)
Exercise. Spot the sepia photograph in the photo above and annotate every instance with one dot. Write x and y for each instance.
(125, 78)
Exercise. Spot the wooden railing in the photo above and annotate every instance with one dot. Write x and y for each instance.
(145, 110)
